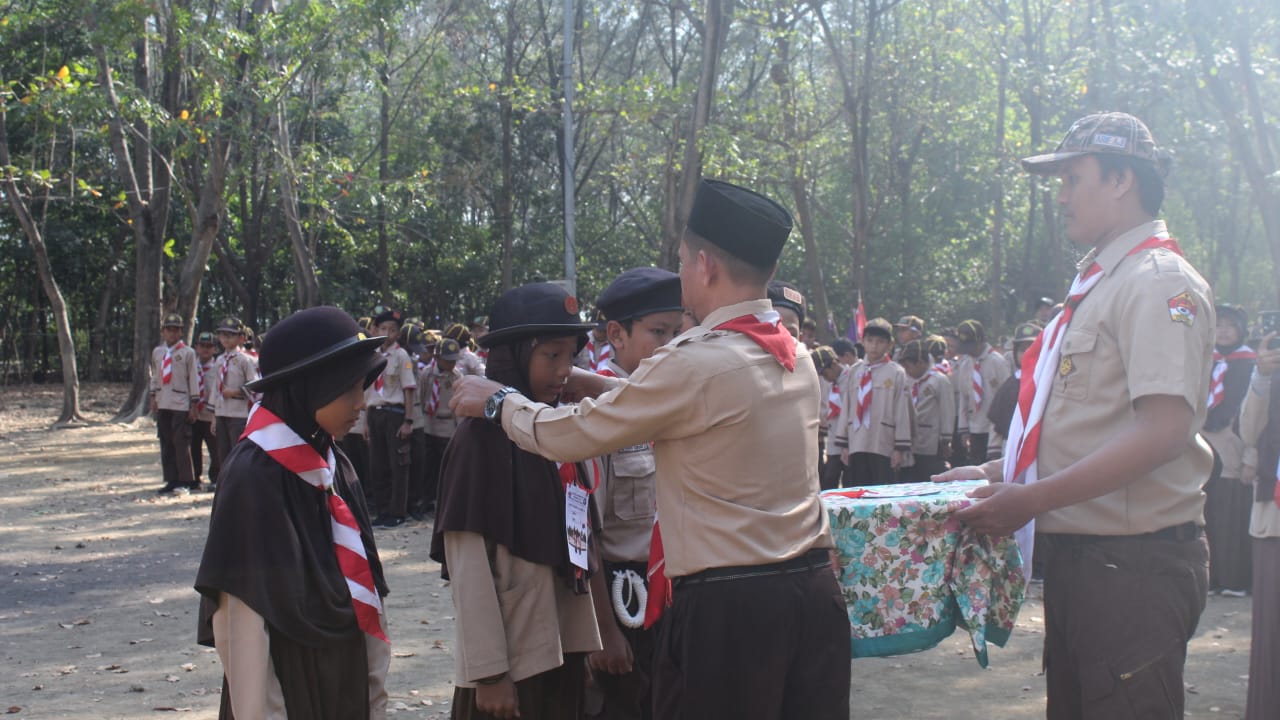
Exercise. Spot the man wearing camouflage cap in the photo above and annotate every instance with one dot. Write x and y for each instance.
(1103, 452)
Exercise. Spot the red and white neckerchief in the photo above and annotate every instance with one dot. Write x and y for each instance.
(1217, 386)
(433, 403)
(977, 383)
(378, 383)
(166, 366)
(942, 367)
(834, 403)
(765, 329)
(202, 402)
(866, 384)
(1043, 357)
(601, 361)
(222, 374)
(283, 445)
(915, 387)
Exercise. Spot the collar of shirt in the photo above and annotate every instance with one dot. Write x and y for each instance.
(616, 369)
(1111, 255)
(729, 312)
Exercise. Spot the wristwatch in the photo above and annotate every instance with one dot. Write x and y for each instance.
(493, 406)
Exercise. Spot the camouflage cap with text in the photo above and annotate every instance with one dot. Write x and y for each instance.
(1109, 133)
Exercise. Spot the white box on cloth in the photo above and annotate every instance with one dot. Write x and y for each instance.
(910, 572)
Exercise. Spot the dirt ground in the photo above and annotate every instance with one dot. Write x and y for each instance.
(97, 613)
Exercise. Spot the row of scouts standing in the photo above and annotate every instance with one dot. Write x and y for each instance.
(645, 537)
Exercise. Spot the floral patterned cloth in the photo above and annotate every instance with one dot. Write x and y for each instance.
(910, 572)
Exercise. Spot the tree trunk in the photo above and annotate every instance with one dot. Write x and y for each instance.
(384, 171)
(715, 27)
(66, 348)
(307, 285)
(996, 268)
(98, 338)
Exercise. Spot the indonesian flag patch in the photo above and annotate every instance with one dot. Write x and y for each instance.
(1182, 309)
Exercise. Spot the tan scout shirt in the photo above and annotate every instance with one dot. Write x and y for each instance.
(443, 423)
(995, 370)
(1129, 339)
(1264, 521)
(628, 499)
(888, 423)
(935, 412)
(241, 368)
(183, 389)
(733, 436)
(397, 376)
(514, 616)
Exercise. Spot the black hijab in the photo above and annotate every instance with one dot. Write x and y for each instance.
(488, 485)
(270, 540)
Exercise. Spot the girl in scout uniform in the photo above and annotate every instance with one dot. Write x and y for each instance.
(524, 615)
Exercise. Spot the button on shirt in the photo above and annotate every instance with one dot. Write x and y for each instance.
(1145, 329)
(733, 432)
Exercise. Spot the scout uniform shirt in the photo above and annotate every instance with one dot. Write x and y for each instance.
(1145, 329)
(627, 498)
(233, 369)
(416, 414)
(183, 388)
(389, 387)
(887, 423)
(933, 397)
(432, 381)
(994, 370)
(207, 384)
(733, 443)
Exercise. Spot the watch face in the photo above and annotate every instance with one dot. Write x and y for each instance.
(490, 407)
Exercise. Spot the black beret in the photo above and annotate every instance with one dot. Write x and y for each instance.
(638, 292)
(745, 224)
(784, 294)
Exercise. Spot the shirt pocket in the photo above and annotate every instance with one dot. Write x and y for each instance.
(632, 485)
(1075, 364)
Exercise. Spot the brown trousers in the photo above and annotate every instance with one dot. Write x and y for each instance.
(556, 694)
(1264, 650)
(390, 461)
(228, 434)
(772, 647)
(202, 439)
(175, 448)
(1118, 615)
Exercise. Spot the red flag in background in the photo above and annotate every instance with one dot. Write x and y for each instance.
(858, 322)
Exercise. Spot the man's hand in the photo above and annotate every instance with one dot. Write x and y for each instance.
(967, 472)
(469, 395)
(944, 449)
(844, 455)
(192, 415)
(1001, 508)
(898, 459)
(405, 430)
(155, 406)
(499, 699)
(616, 657)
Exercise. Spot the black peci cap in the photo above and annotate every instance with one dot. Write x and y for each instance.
(743, 223)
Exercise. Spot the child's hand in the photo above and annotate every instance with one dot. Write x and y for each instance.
(616, 657)
(498, 699)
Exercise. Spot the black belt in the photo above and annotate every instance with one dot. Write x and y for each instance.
(389, 408)
(815, 559)
(1185, 532)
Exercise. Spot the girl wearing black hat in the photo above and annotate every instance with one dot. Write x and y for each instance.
(291, 581)
(507, 537)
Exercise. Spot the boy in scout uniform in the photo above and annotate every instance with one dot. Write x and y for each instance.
(388, 426)
(202, 429)
(908, 328)
(873, 431)
(757, 628)
(642, 312)
(437, 381)
(1006, 398)
(789, 303)
(933, 403)
(978, 375)
(235, 368)
(1104, 453)
(175, 390)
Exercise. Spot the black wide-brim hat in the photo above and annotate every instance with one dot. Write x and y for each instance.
(534, 310)
(312, 337)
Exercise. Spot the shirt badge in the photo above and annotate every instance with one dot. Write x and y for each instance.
(1066, 366)
(1182, 309)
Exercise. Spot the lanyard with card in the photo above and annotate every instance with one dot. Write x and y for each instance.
(577, 519)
